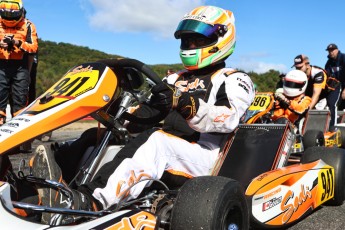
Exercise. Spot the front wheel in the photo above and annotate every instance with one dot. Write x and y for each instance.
(209, 203)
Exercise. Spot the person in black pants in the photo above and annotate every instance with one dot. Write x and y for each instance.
(33, 63)
(335, 67)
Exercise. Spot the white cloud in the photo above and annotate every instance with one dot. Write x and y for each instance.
(261, 67)
(252, 62)
(159, 17)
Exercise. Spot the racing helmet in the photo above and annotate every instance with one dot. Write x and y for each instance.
(294, 83)
(11, 12)
(212, 30)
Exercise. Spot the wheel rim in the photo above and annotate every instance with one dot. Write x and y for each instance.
(233, 218)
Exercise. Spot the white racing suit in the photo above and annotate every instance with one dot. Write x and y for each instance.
(224, 95)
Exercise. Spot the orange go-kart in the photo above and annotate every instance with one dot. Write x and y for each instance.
(313, 129)
(254, 182)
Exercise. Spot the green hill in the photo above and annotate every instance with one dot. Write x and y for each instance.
(55, 59)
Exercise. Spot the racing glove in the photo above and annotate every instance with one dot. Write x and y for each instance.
(8, 39)
(186, 104)
(162, 97)
(165, 98)
(283, 101)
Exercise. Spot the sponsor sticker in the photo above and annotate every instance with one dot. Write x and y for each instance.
(271, 203)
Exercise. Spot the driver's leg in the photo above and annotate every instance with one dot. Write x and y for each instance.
(161, 152)
(102, 176)
(44, 166)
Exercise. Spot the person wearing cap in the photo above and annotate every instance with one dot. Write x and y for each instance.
(335, 67)
(317, 85)
(316, 78)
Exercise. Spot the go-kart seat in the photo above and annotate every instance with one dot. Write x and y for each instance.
(253, 150)
(318, 120)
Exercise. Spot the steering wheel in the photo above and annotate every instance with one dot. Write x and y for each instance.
(132, 63)
(126, 66)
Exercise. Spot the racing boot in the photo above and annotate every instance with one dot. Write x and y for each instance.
(43, 165)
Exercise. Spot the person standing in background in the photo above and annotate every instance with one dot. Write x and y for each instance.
(33, 62)
(18, 37)
(32, 66)
(318, 87)
(170, 71)
(335, 67)
(316, 78)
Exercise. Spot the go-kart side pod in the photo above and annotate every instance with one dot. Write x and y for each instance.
(283, 196)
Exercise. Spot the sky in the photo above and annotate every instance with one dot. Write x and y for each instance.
(269, 33)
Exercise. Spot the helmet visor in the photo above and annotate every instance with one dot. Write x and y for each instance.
(294, 84)
(11, 15)
(195, 41)
(10, 10)
(196, 27)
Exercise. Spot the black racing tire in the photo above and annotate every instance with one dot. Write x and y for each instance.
(209, 203)
(313, 138)
(334, 157)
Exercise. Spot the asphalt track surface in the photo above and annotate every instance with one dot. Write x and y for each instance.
(325, 218)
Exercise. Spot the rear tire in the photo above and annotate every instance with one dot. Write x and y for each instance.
(334, 157)
(313, 138)
(209, 203)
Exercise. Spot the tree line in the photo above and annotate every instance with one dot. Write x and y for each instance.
(55, 59)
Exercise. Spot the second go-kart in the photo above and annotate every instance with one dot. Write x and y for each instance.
(261, 112)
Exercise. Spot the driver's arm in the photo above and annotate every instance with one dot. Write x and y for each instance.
(301, 105)
(223, 116)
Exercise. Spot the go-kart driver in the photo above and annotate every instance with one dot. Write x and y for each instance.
(210, 97)
(292, 104)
